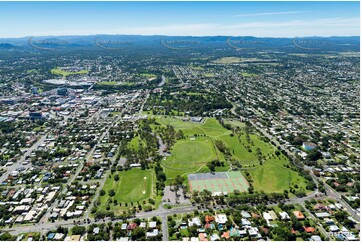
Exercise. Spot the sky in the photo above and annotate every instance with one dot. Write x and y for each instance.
(261, 19)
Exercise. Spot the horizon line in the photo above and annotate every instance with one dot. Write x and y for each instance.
(196, 36)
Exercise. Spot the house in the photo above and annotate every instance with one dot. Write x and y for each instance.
(245, 214)
(195, 221)
(96, 230)
(152, 224)
(299, 215)
(225, 235)
(284, 216)
(309, 229)
(246, 223)
(202, 237)
(221, 218)
(242, 233)
(124, 226)
(234, 232)
(51, 236)
(132, 226)
(58, 236)
(329, 221)
(267, 216)
(273, 215)
(215, 237)
(334, 228)
(255, 215)
(315, 238)
(253, 232)
(154, 233)
(322, 215)
(209, 219)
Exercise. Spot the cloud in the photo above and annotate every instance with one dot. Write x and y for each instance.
(270, 13)
(315, 27)
(293, 28)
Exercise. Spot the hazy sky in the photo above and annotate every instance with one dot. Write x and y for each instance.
(267, 19)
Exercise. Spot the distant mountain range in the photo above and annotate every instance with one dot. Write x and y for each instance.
(120, 41)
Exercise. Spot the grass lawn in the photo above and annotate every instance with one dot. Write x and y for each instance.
(228, 60)
(110, 83)
(272, 176)
(133, 185)
(209, 74)
(189, 156)
(199, 68)
(58, 71)
(235, 123)
(246, 74)
(134, 143)
(149, 75)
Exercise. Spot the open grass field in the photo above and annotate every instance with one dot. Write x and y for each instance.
(228, 60)
(272, 176)
(208, 74)
(149, 75)
(58, 71)
(133, 185)
(198, 68)
(235, 123)
(246, 74)
(134, 143)
(110, 83)
(191, 156)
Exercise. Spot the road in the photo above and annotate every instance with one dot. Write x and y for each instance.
(162, 82)
(102, 182)
(142, 107)
(322, 230)
(162, 146)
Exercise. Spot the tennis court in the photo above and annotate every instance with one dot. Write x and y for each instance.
(218, 182)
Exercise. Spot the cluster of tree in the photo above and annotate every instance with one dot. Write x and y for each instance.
(196, 105)
(7, 237)
(7, 127)
(178, 183)
(222, 147)
(314, 155)
(169, 135)
(161, 178)
(213, 164)
(254, 198)
(78, 230)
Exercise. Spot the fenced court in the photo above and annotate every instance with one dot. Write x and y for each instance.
(218, 182)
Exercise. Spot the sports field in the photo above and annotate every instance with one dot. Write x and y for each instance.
(218, 182)
(133, 185)
(58, 71)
